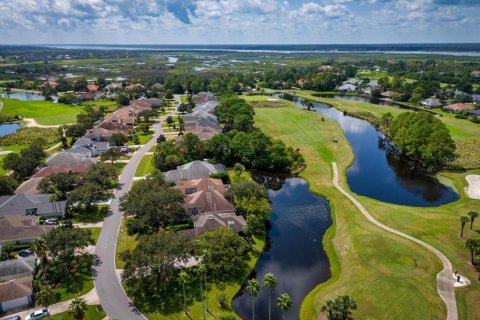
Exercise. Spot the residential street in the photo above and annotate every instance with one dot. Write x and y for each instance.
(110, 292)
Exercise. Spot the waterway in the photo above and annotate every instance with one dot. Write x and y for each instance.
(9, 128)
(375, 174)
(295, 253)
(26, 96)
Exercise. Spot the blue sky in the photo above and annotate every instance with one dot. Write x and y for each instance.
(238, 21)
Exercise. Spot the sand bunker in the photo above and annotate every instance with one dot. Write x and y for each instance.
(473, 189)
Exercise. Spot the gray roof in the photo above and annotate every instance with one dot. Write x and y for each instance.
(208, 106)
(69, 158)
(347, 87)
(15, 268)
(194, 170)
(19, 203)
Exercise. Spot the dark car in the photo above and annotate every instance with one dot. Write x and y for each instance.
(24, 252)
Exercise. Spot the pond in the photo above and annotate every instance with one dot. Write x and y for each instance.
(26, 96)
(295, 255)
(363, 99)
(9, 128)
(376, 175)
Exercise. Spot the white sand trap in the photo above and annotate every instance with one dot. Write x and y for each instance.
(272, 99)
(473, 189)
(460, 283)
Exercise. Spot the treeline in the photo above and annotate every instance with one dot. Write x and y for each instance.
(240, 143)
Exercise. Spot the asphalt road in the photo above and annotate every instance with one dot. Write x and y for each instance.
(445, 282)
(110, 292)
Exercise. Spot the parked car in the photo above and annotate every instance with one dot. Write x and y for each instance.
(13, 318)
(38, 314)
(24, 252)
(51, 222)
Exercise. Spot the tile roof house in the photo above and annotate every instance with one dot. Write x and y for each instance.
(458, 107)
(69, 159)
(431, 103)
(92, 87)
(30, 204)
(389, 94)
(89, 147)
(194, 170)
(134, 85)
(16, 294)
(21, 229)
(204, 196)
(209, 222)
(347, 88)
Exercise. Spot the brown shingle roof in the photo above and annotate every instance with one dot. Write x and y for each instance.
(14, 228)
(48, 170)
(460, 107)
(202, 184)
(17, 288)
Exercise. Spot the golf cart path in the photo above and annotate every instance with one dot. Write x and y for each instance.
(445, 282)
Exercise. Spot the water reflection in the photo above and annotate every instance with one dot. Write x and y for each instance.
(296, 256)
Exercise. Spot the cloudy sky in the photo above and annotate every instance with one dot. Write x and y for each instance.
(238, 21)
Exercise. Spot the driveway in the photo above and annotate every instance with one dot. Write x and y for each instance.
(110, 292)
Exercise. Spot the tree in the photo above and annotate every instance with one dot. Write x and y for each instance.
(144, 127)
(75, 131)
(118, 139)
(62, 181)
(340, 308)
(227, 250)
(422, 138)
(270, 281)
(183, 278)
(473, 245)
(153, 205)
(62, 242)
(87, 194)
(123, 100)
(8, 249)
(102, 174)
(111, 154)
(472, 215)
(39, 247)
(463, 220)
(191, 147)
(151, 267)
(44, 297)
(284, 302)
(253, 287)
(8, 185)
(168, 94)
(77, 308)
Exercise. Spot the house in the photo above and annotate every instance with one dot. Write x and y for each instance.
(389, 94)
(347, 88)
(302, 82)
(209, 222)
(112, 87)
(324, 68)
(134, 86)
(204, 196)
(88, 147)
(92, 87)
(69, 159)
(17, 268)
(458, 107)
(17, 293)
(21, 229)
(208, 106)
(476, 98)
(194, 170)
(158, 86)
(50, 84)
(459, 93)
(431, 103)
(30, 205)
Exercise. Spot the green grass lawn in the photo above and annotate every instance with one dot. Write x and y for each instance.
(145, 166)
(44, 112)
(124, 243)
(384, 273)
(95, 232)
(79, 284)
(92, 313)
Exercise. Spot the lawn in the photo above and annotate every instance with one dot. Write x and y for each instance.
(384, 273)
(124, 243)
(95, 232)
(44, 112)
(93, 312)
(145, 166)
(79, 284)
(97, 214)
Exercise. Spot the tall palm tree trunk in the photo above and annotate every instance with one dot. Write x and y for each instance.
(253, 310)
(201, 294)
(269, 303)
(184, 298)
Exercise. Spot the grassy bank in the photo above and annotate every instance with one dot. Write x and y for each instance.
(90, 314)
(145, 166)
(44, 112)
(385, 274)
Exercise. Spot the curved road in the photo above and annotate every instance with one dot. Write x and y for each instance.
(445, 281)
(107, 283)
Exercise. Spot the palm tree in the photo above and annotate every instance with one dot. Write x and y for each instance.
(270, 281)
(8, 249)
(39, 247)
(201, 269)
(463, 220)
(284, 302)
(474, 246)
(183, 277)
(44, 296)
(252, 288)
(340, 308)
(77, 307)
(472, 215)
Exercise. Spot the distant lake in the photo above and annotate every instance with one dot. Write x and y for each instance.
(295, 255)
(9, 128)
(26, 96)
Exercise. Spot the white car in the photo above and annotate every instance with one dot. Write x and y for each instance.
(38, 314)
(51, 222)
